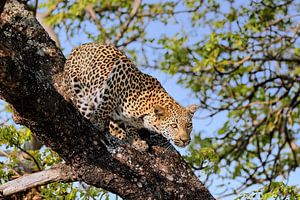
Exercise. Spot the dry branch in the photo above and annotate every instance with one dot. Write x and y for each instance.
(60, 172)
(30, 76)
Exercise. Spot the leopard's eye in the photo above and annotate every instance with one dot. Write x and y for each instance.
(189, 125)
(174, 125)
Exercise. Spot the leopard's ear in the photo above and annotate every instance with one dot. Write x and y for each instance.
(192, 108)
(160, 111)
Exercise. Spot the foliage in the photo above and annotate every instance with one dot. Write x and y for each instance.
(10, 136)
(276, 190)
(202, 156)
(239, 58)
(70, 191)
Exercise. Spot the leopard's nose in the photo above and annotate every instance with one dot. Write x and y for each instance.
(185, 140)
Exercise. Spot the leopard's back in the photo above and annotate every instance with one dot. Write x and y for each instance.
(86, 70)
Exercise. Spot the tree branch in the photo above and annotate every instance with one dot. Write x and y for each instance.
(30, 78)
(60, 172)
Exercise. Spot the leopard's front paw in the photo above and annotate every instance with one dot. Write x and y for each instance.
(140, 145)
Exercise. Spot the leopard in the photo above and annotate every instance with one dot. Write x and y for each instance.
(109, 90)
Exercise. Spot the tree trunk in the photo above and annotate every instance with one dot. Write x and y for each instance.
(30, 76)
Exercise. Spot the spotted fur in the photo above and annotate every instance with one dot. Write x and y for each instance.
(108, 89)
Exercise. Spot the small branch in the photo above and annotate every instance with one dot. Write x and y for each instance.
(31, 156)
(36, 4)
(60, 172)
(281, 19)
(125, 26)
(3, 153)
(93, 16)
(169, 12)
(279, 59)
(89, 9)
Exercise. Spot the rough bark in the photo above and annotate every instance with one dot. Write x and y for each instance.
(30, 76)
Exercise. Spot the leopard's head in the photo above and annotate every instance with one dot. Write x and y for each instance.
(173, 122)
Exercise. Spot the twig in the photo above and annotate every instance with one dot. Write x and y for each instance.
(125, 26)
(90, 10)
(31, 156)
(3, 153)
(35, 7)
(281, 19)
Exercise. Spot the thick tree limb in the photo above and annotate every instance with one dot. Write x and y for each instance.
(30, 76)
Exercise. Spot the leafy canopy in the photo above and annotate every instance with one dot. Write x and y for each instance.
(239, 58)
